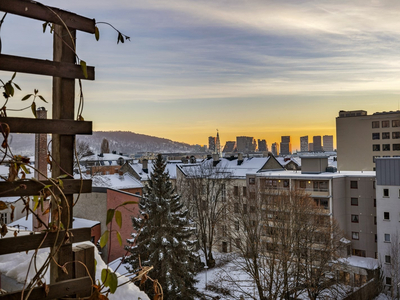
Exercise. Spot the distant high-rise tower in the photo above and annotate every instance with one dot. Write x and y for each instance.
(230, 146)
(212, 141)
(262, 146)
(311, 147)
(328, 143)
(275, 149)
(304, 144)
(286, 146)
(217, 144)
(245, 144)
(317, 143)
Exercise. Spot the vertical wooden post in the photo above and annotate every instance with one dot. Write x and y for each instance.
(84, 254)
(63, 145)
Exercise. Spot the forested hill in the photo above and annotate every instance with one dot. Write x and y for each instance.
(129, 142)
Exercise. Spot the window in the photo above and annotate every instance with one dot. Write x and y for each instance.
(354, 184)
(396, 135)
(236, 225)
(235, 190)
(321, 186)
(387, 238)
(236, 208)
(223, 193)
(388, 280)
(252, 209)
(373, 184)
(374, 202)
(237, 243)
(354, 201)
(244, 191)
(286, 183)
(385, 192)
(321, 203)
(224, 230)
(244, 208)
(376, 238)
(376, 135)
(354, 218)
(386, 147)
(375, 220)
(3, 218)
(386, 215)
(252, 195)
(388, 259)
(396, 147)
(376, 147)
(252, 180)
(374, 158)
(385, 135)
(303, 184)
(375, 124)
(385, 124)
(395, 123)
(355, 235)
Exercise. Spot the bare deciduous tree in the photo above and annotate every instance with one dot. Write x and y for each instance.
(204, 189)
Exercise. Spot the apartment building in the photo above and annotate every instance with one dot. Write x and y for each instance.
(388, 218)
(275, 149)
(327, 143)
(361, 138)
(245, 144)
(304, 143)
(317, 145)
(348, 197)
(286, 146)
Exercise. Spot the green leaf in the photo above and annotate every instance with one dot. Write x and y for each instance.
(44, 26)
(41, 97)
(104, 275)
(16, 85)
(36, 201)
(27, 97)
(33, 107)
(112, 282)
(9, 89)
(61, 183)
(110, 215)
(47, 186)
(104, 238)
(119, 238)
(62, 176)
(84, 68)
(118, 218)
(96, 33)
(15, 73)
(129, 202)
(25, 169)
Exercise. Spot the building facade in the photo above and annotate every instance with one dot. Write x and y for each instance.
(262, 145)
(361, 138)
(317, 143)
(304, 144)
(327, 143)
(286, 146)
(245, 144)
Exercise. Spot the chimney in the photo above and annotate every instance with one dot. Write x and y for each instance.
(215, 159)
(41, 166)
(145, 165)
(240, 159)
(121, 174)
(184, 160)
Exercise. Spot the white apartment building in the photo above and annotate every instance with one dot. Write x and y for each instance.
(388, 220)
(327, 143)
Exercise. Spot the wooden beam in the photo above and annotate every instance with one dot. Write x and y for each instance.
(33, 241)
(38, 11)
(43, 67)
(32, 188)
(30, 125)
(57, 290)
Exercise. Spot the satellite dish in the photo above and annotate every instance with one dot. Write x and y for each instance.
(120, 161)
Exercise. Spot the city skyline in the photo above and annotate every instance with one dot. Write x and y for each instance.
(259, 68)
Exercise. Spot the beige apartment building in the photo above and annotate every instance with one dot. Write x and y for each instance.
(361, 138)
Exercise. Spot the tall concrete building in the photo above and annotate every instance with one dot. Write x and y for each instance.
(317, 143)
(327, 143)
(311, 147)
(304, 144)
(286, 146)
(245, 144)
(212, 141)
(262, 145)
(230, 146)
(361, 138)
(275, 149)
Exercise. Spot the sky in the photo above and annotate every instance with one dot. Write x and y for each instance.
(255, 68)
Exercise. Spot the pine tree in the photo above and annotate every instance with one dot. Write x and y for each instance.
(165, 240)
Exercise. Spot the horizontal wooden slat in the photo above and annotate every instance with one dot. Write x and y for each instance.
(43, 67)
(66, 127)
(56, 290)
(31, 242)
(38, 11)
(32, 188)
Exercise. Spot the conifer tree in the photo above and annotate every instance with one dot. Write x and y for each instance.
(165, 239)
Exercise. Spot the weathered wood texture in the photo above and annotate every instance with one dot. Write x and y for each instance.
(38, 11)
(29, 125)
(43, 67)
(32, 188)
(56, 290)
(84, 264)
(30, 242)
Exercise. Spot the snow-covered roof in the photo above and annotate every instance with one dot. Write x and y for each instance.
(114, 181)
(361, 262)
(105, 157)
(9, 199)
(327, 175)
(15, 266)
(170, 167)
(26, 224)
